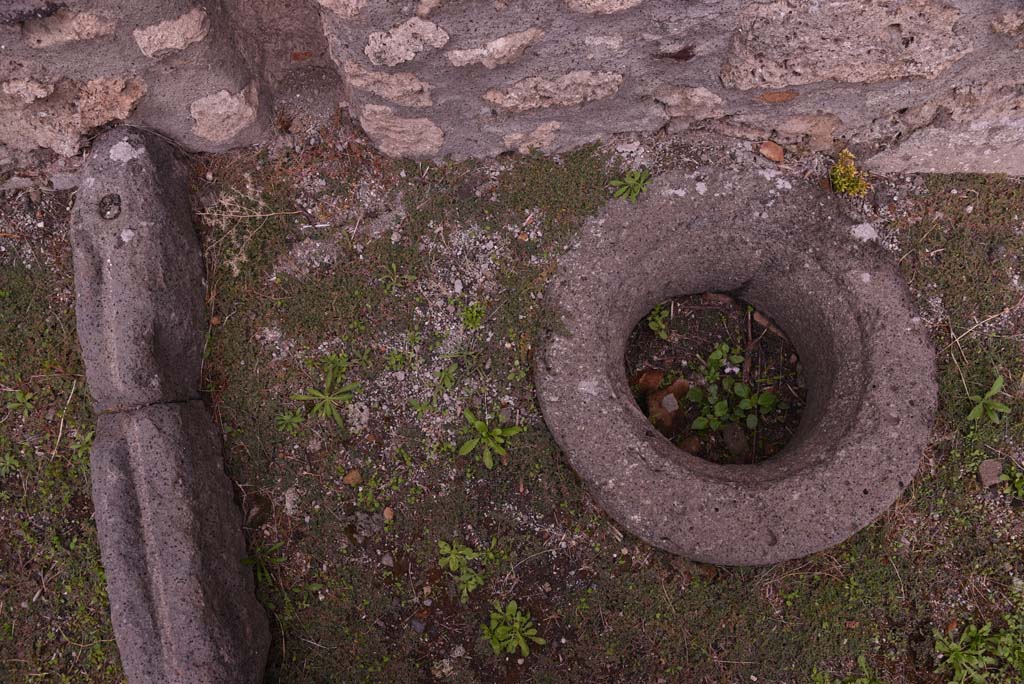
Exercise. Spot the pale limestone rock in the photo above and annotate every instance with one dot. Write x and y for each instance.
(541, 138)
(26, 90)
(68, 111)
(401, 88)
(343, 8)
(66, 26)
(173, 34)
(850, 41)
(498, 51)
(602, 6)
(1009, 23)
(107, 99)
(575, 87)
(404, 42)
(399, 137)
(221, 116)
(690, 104)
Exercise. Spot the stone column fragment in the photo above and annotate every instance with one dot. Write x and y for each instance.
(182, 602)
(138, 274)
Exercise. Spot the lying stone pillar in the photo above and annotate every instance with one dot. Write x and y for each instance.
(183, 604)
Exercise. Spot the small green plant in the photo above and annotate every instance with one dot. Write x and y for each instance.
(82, 444)
(983, 655)
(9, 464)
(657, 321)
(490, 440)
(1014, 482)
(396, 360)
(327, 401)
(456, 559)
(846, 178)
(263, 561)
(631, 185)
(445, 380)
(472, 316)
(987, 405)
(335, 368)
(289, 422)
(510, 628)
(724, 399)
(393, 279)
(865, 676)
(967, 658)
(23, 402)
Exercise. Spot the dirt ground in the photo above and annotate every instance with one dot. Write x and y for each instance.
(423, 283)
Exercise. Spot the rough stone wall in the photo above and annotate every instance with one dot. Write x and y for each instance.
(172, 66)
(932, 82)
(920, 84)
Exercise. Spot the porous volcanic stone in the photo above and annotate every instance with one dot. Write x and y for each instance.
(138, 274)
(171, 542)
(781, 245)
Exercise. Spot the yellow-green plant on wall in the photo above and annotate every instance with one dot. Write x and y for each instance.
(846, 178)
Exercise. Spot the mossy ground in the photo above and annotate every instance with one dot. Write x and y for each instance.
(429, 278)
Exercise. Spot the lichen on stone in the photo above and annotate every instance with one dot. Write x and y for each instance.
(221, 116)
(401, 137)
(403, 42)
(575, 87)
(401, 88)
(602, 6)
(66, 26)
(541, 138)
(850, 41)
(690, 104)
(498, 51)
(343, 8)
(172, 34)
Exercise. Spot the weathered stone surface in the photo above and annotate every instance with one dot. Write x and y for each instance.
(404, 42)
(575, 87)
(541, 138)
(498, 51)
(854, 41)
(602, 6)
(400, 88)
(138, 274)
(222, 115)
(401, 137)
(867, 360)
(17, 11)
(172, 34)
(182, 603)
(66, 26)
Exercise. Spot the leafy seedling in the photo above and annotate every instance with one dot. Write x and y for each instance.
(327, 401)
(631, 185)
(490, 440)
(509, 629)
(988, 406)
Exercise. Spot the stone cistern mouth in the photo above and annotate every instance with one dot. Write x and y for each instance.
(865, 359)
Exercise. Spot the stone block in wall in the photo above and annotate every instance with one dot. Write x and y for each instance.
(138, 274)
(182, 602)
(173, 66)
